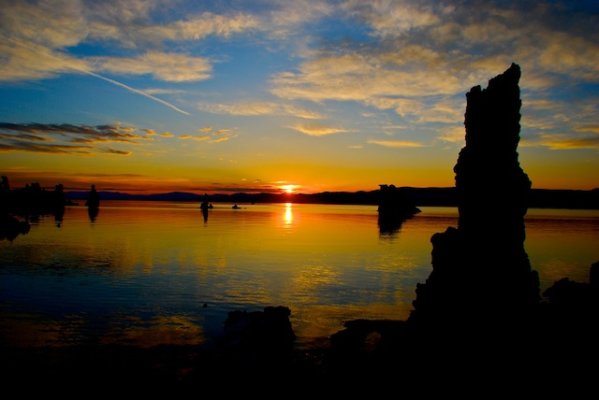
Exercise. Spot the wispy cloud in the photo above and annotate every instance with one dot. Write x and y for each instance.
(116, 151)
(455, 134)
(154, 91)
(31, 61)
(393, 18)
(317, 129)
(245, 109)
(169, 67)
(565, 142)
(210, 135)
(396, 144)
(259, 108)
(142, 30)
(587, 128)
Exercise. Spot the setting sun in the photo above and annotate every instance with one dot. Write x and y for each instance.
(289, 188)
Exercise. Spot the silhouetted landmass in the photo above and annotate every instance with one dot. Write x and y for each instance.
(27, 204)
(32, 199)
(422, 197)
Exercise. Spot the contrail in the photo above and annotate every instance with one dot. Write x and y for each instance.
(117, 83)
(132, 89)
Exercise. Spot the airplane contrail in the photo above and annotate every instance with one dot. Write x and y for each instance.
(106, 79)
(132, 89)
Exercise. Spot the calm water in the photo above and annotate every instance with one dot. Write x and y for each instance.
(149, 273)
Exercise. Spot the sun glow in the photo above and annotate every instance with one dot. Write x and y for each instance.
(289, 188)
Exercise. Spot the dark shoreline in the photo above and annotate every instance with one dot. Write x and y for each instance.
(421, 197)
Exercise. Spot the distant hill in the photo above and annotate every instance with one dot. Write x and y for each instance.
(539, 198)
(171, 196)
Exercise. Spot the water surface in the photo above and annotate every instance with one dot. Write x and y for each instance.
(149, 273)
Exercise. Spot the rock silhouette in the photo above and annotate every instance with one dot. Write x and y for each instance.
(481, 270)
(93, 204)
(205, 206)
(395, 206)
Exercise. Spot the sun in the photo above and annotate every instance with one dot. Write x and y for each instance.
(288, 188)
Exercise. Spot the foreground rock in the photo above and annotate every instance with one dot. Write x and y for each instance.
(481, 271)
(479, 315)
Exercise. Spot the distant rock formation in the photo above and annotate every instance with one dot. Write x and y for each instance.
(481, 271)
(395, 206)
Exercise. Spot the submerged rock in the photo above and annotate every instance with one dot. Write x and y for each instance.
(267, 331)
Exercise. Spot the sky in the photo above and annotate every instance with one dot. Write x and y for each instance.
(269, 95)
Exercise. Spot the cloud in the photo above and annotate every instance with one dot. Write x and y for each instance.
(393, 18)
(169, 67)
(388, 79)
(454, 134)
(155, 91)
(587, 128)
(563, 142)
(423, 56)
(54, 24)
(300, 112)
(259, 108)
(396, 144)
(200, 138)
(43, 148)
(244, 109)
(209, 135)
(200, 26)
(115, 151)
(27, 61)
(103, 133)
(66, 138)
(317, 129)
(289, 16)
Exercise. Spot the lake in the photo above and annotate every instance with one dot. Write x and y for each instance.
(151, 273)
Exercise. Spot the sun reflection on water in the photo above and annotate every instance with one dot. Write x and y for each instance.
(288, 214)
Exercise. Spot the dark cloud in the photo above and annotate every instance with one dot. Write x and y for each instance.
(114, 133)
(23, 136)
(234, 189)
(116, 151)
(64, 138)
(44, 148)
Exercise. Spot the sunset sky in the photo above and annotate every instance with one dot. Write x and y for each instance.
(221, 96)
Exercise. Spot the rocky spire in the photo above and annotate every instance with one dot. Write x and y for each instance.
(481, 270)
